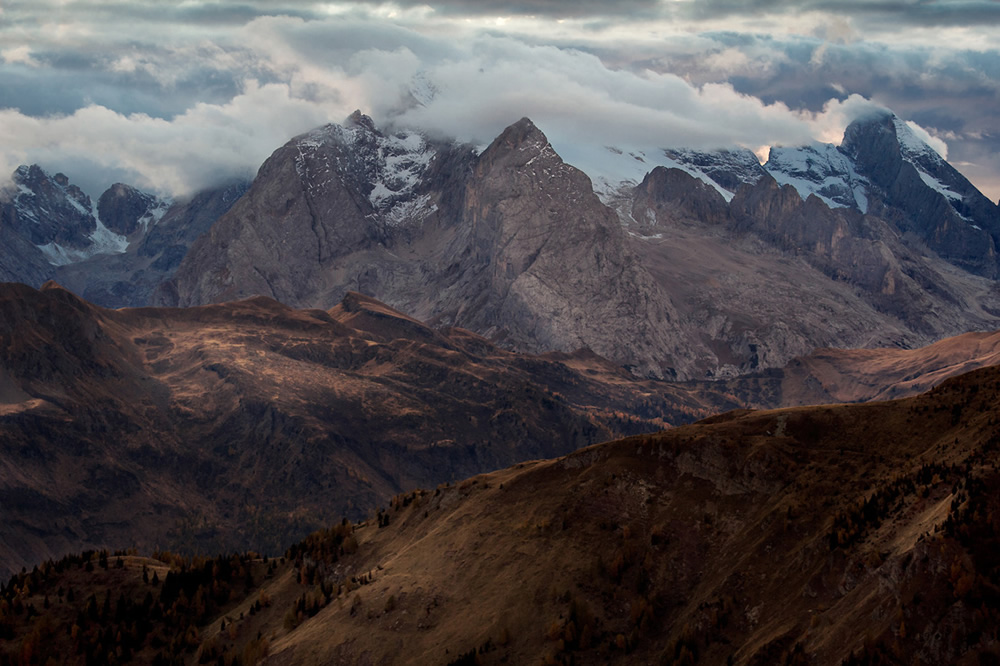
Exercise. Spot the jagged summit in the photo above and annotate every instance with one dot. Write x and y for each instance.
(52, 211)
(819, 169)
(358, 119)
(525, 139)
(509, 243)
(123, 209)
(932, 198)
(57, 218)
(523, 129)
(384, 168)
(727, 168)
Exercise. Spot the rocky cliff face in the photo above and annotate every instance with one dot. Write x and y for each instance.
(907, 183)
(556, 273)
(22, 261)
(772, 275)
(51, 210)
(122, 208)
(511, 243)
(313, 201)
(668, 197)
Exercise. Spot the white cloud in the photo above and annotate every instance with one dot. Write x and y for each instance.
(584, 82)
(205, 145)
(18, 55)
(483, 83)
(934, 142)
(828, 126)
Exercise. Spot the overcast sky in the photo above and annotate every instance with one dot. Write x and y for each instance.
(175, 96)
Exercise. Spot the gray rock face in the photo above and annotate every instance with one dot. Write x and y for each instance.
(121, 208)
(771, 275)
(50, 210)
(556, 273)
(158, 244)
(667, 197)
(730, 168)
(512, 243)
(20, 261)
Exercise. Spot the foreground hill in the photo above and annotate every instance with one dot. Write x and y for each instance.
(820, 535)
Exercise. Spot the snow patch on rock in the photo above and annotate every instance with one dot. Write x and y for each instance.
(821, 170)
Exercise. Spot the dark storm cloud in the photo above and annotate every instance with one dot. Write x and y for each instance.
(915, 12)
(64, 82)
(152, 13)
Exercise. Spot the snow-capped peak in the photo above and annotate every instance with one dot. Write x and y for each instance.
(59, 218)
(912, 146)
(613, 169)
(391, 165)
(822, 170)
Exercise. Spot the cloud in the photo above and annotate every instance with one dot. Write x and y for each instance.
(480, 87)
(558, 8)
(903, 12)
(175, 96)
(206, 145)
(18, 55)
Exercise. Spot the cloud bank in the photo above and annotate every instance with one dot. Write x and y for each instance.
(176, 97)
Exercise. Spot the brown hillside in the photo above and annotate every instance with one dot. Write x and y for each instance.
(249, 424)
(802, 535)
(822, 535)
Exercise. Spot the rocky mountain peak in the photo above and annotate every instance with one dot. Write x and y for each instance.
(360, 120)
(730, 168)
(523, 128)
(871, 142)
(51, 211)
(929, 196)
(122, 208)
(670, 196)
(522, 135)
(520, 145)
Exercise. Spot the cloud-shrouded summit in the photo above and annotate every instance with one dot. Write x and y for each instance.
(177, 97)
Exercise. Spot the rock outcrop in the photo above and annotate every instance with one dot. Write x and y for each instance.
(122, 208)
(160, 237)
(51, 212)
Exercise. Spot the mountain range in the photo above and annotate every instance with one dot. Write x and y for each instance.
(877, 242)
